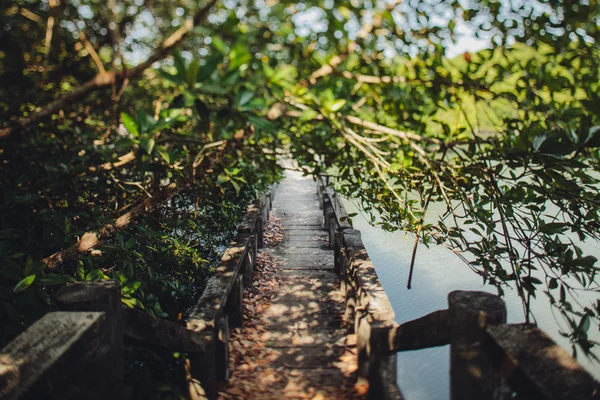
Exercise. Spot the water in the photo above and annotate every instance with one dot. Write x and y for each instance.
(424, 374)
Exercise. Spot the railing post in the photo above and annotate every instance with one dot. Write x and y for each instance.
(233, 309)
(332, 230)
(320, 193)
(104, 296)
(222, 348)
(382, 365)
(327, 210)
(337, 256)
(264, 206)
(201, 373)
(472, 372)
(260, 230)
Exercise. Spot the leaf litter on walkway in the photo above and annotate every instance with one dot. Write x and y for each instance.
(251, 358)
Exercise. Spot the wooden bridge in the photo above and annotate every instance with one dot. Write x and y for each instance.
(327, 326)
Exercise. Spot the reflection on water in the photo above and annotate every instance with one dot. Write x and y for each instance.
(423, 374)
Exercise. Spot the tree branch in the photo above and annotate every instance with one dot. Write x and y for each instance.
(94, 238)
(109, 78)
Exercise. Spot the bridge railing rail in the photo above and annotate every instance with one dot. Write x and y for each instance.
(71, 354)
(489, 359)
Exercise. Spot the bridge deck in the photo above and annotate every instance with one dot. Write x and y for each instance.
(311, 355)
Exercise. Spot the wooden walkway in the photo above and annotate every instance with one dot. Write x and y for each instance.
(309, 346)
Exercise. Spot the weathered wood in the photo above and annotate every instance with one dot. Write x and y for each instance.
(52, 359)
(340, 213)
(201, 370)
(472, 375)
(373, 316)
(212, 302)
(537, 368)
(327, 210)
(332, 229)
(363, 272)
(222, 348)
(162, 333)
(233, 308)
(103, 296)
(428, 331)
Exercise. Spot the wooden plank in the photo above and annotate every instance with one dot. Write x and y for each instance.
(363, 271)
(312, 338)
(307, 234)
(421, 333)
(306, 357)
(289, 251)
(539, 368)
(51, 355)
(162, 333)
(304, 322)
(294, 228)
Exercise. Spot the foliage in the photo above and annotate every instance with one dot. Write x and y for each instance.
(506, 138)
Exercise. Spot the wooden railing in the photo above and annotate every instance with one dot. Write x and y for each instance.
(78, 353)
(489, 359)
(367, 305)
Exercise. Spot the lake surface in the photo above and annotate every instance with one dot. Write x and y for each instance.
(424, 374)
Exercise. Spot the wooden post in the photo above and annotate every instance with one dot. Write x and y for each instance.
(327, 209)
(472, 373)
(260, 237)
(382, 364)
(332, 229)
(222, 348)
(337, 256)
(264, 207)
(233, 308)
(104, 296)
(53, 358)
(201, 373)
(251, 262)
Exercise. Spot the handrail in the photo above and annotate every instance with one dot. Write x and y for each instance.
(95, 314)
(489, 358)
(367, 305)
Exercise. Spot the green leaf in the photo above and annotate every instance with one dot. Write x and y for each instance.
(222, 179)
(131, 287)
(144, 121)
(130, 124)
(552, 227)
(283, 73)
(55, 279)
(262, 124)
(164, 153)
(308, 115)
(96, 275)
(209, 67)
(24, 283)
(132, 303)
(243, 98)
(236, 187)
(238, 56)
(147, 145)
(176, 79)
(179, 63)
(219, 44)
(584, 324)
(337, 105)
(192, 72)
(593, 139)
